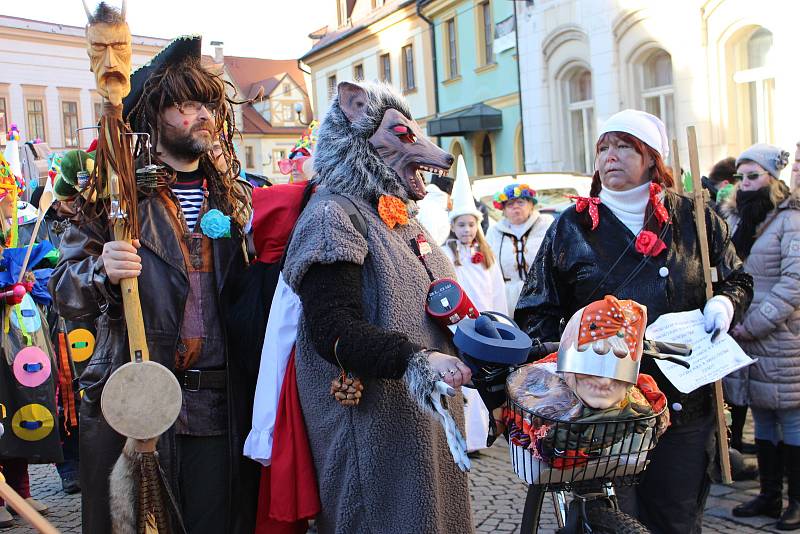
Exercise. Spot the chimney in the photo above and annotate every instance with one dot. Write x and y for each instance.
(219, 57)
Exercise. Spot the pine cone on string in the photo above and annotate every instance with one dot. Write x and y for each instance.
(347, 389)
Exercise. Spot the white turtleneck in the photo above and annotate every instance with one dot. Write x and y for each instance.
(628, 206)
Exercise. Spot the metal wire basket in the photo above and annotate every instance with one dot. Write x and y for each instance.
(562, 454)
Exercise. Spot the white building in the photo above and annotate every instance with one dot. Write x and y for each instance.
(726, 66)
(46, 87)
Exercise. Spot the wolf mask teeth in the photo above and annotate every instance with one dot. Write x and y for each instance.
(369, 145)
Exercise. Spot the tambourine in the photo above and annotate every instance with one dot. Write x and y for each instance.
(141, 400)
(447, 303)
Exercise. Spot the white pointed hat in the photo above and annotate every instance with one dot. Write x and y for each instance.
(463, 201)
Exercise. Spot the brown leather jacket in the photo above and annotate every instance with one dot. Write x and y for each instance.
(81, 292)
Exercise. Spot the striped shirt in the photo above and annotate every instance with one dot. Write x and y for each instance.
(188, 188)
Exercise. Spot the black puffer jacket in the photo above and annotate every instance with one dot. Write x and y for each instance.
(576, 266)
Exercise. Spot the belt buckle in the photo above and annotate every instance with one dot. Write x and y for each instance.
(191, 379)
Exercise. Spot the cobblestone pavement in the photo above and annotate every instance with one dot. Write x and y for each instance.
(498, 498)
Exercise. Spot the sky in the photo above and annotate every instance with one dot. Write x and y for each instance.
(275, 29)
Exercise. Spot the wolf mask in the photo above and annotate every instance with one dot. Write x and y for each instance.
(370, 146)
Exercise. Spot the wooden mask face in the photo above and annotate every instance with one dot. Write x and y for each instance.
(109, 49)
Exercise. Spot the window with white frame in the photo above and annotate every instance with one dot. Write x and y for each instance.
(249, 157)
(409, 81)
(331, 86)
(69, 116)
(486, 33)
(386, 68)
(36, 123)
(657, 91)
(451, 48)
(754, 81)
(358, 72)
(580, 120)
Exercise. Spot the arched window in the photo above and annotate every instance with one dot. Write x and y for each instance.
(656, 88)
(754, 86)
(456, 150)
(580, 117)
(485, 156)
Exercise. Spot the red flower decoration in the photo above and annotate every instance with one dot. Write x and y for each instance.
(477, 257)
(649, 244)
(581, 203)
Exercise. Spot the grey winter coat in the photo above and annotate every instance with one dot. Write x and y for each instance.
(384, 465)
(773, 319)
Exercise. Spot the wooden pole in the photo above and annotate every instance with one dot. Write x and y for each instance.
(702, 237)
(24, 509)
(131, 303)
(676, 167)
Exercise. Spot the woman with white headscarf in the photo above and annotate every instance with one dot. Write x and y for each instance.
(634, 239)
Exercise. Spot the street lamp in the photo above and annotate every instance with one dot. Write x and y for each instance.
(298, 108)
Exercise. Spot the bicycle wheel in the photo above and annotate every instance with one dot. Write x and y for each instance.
(604, 520)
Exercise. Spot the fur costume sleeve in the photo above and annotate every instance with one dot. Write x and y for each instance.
(323, 234)
(331, 298)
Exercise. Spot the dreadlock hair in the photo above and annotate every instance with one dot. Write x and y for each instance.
(189, 80)
(106, 14)
(659, 172)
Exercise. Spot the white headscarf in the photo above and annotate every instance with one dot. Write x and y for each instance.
(646, 127)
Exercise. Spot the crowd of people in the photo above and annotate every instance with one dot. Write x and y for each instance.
(321, 299)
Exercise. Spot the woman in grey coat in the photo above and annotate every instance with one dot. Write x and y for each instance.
(765, 220)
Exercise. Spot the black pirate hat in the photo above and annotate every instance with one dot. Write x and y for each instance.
(178, 49)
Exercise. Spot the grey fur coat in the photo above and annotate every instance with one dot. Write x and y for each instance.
(773, 319)
(384, 465)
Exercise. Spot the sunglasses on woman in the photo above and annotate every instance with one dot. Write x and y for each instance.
(750, 175)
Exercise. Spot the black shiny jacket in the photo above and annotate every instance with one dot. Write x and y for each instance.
(576, 266)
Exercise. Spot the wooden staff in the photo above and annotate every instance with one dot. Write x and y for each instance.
(676, 167)
(702, 237)
(24, 509)
(45, 202)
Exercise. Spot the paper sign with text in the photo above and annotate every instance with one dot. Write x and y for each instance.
(709, 362)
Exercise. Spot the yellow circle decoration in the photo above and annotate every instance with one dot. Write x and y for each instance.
(81, 344)
(32, 422)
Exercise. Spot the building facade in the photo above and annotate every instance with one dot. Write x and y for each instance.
(270, 125)
(374, 40)
(478, 93)
(724, 66)
(46, 87)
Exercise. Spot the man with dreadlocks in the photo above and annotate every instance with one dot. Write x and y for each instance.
(187, 257)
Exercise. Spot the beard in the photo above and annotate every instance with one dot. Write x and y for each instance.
(184, 145)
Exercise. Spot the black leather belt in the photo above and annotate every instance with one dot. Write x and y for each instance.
(197, 379)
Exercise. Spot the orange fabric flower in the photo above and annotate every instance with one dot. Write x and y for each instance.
(392, 211)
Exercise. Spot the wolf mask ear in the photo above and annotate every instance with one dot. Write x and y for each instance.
(352, 100)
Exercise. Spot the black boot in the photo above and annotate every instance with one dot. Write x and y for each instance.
(770, 475)
(790, 520)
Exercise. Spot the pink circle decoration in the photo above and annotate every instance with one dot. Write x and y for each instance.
(31, 367)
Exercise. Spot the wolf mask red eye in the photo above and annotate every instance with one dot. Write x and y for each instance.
(404, 133)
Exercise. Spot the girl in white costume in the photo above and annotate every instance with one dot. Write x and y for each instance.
(479, 275)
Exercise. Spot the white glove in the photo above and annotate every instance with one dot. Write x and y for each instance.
(717, 315)
(455, 441)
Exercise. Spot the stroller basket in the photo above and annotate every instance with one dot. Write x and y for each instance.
(559, 454)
